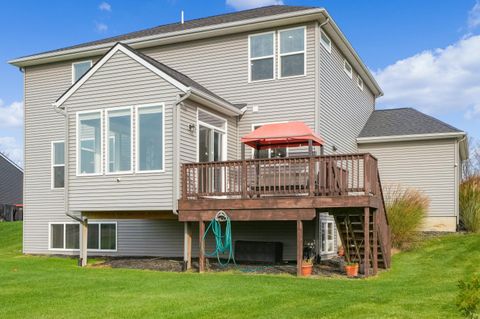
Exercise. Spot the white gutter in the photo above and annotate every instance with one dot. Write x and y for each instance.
(277, 20)
(413, 137)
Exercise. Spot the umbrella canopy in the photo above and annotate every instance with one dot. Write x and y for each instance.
(290, 134)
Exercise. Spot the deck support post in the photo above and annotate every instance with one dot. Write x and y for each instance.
(366, 242)
(375, 242)
(83, 243)
(201, 244)
(187, 245)
(299, 247)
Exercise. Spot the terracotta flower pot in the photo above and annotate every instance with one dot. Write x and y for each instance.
(307, 270)
(351, 270)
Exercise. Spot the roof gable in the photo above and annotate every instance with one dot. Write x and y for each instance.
(403, 121)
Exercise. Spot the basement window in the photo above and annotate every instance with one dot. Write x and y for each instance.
(347, 68)
(79, 69)
(66, 236)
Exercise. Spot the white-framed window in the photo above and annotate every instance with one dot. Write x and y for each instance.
(211, 137)
(347, 68)
(89, 143)
(359, 82)
(271, 152)
(58, 164)
(79, 69)
(328, 237)
(292, 52)
(102, 236)
(150, 141)
(261, 56)
(325, 41)
(119, 137)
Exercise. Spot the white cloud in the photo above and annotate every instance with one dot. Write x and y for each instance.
(474, 16)
(436, 81)
(105, 6)
(248, 4)
(11, 115)
(10, 147)
(101, 27)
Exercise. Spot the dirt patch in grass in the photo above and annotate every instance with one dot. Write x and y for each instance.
(326, 268)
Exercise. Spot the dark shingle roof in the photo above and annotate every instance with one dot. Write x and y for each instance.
(192, 24)
(403, 121)
(11, 182)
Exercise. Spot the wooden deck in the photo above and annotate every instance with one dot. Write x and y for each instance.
(294, 188)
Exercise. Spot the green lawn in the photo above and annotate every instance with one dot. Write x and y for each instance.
(421, 284)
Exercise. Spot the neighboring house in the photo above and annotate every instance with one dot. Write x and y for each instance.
(128, 111)
(11, 190)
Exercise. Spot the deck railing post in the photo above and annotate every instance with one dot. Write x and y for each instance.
(244, 179)
(184, 181)
(311, 177)
(366, 174)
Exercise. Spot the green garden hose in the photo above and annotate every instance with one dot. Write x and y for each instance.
(223, 243)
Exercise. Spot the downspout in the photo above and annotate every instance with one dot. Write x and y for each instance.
(176, 149)
(65, 176)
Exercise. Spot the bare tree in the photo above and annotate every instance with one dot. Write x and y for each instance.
(471, 166)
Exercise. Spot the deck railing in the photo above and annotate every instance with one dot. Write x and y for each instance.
(331, 175)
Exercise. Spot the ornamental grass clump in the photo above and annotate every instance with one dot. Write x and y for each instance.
(406, 208)
(470, 204)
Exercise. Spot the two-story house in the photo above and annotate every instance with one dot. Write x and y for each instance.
(110, 123)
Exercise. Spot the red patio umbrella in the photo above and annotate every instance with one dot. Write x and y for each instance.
(290, 134)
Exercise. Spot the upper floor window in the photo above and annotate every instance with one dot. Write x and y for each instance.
(270, 152)
(79, 69)
(292, 52)
(347, 68)
(262, 56)
(150, 138)
(119, 128)
(359, 82)
(325, 41)
(58, 164)
(89, 143)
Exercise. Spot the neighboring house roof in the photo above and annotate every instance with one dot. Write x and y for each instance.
(11, 182)
(178, 79)
(242, 21)
(403, 121)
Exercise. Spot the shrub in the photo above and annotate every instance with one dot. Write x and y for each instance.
(470, 204)
(468, 299)
(406, 208)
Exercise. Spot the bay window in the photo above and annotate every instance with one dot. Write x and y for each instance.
(119, 128)
(89, 149)
(150, 138)
(261, 56)
(292, 52)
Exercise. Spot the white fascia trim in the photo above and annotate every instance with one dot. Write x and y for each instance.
(107, 57)
(413, 137)
(219, 105)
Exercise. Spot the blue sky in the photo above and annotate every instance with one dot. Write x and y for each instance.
(425, 54)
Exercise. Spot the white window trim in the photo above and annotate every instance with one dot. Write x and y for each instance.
(73, 68)
(324, 224)
(280, 55)
(349, 73)
(80, 235)
(262, 124)
(225, 132)
(360, 82)
(53, 165)
(137, 135)
(327, 46)
(250, 59)
(107, 142)
(77, 137)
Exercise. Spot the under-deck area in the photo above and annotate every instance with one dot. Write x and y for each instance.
(293, 189)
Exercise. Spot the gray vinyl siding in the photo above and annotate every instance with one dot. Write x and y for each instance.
(11, 185)
(428, 166)
(221, 65)
(344, 108)
(121, 82)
